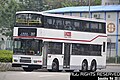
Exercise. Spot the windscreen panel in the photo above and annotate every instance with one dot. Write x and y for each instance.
(27, 47)
(26, 19)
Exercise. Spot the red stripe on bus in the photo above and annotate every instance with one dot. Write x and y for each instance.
(59, 38)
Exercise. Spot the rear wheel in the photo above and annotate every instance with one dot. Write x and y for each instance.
(49, 70)
(28, 69)
(84, 66)
(69, 70)
(93, 66)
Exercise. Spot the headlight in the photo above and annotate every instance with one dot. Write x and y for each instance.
(37, 61)
(15, 60)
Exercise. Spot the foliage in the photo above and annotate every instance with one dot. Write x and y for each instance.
(68, 4)
(53, 4)
(31, 5)
(6, 56)
(113, 60)
(7, 16)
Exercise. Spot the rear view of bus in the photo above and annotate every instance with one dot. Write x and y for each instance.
(27, 49)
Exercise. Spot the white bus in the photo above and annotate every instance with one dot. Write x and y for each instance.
(58, 42)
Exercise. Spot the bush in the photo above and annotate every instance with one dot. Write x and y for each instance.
(113, 60)
(6, 56)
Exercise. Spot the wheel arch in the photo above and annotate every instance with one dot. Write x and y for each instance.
(95, 62)
(84, 60)
(55, 60)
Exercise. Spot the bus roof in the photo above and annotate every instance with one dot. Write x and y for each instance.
(34, 12)
(63, 16)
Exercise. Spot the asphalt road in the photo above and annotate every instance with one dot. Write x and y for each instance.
(111, 69)
(33, 76)
(44, 75)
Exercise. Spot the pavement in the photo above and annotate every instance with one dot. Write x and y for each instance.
(8, 66)
(112, 64)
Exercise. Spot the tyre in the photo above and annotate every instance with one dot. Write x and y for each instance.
(93, 66)
(49, 70)
(27, 69)
(55, 66)
(69, 70)
(84, 66)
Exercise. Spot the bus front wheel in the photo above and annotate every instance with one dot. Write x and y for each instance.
(55, 66)
(84, 66)
(27, 69)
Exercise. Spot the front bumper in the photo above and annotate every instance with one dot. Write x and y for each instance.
(34, 66)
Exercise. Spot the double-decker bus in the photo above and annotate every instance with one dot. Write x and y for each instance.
(58, 42)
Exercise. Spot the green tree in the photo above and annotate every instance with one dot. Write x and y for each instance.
(31, 5)
(97, 2)
(53, 4)
(69, 4)
(7, 16)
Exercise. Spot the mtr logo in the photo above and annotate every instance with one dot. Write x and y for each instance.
(111, 27)
(67, 34)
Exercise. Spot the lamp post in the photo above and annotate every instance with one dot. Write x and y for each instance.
(89, 10)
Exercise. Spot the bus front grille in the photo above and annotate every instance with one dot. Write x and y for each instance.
(25, 60)
(25, 57)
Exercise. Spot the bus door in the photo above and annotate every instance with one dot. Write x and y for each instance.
(66, 63)
(45, 55)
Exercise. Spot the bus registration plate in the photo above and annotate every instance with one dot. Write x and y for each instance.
(25, 66)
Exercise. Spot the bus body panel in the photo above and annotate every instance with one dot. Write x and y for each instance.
(76, 61)
(75, 36)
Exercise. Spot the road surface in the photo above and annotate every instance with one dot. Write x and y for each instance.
(44, 75)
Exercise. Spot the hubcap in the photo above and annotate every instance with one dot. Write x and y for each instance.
(84, 66)
(54, 65)
(93, 66)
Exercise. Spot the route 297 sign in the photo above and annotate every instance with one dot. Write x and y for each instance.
(111, 27)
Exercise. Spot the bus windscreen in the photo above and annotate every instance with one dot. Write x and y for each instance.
(25, 19)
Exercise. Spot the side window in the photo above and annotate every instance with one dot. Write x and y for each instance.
(85, 26)
(86, 49)
(76, 26)
(68, 25)
(102, 28)
(94, 27)
(54, 48)
(77, 49)
(54, 24)
(96, 50)
(59, 23)
(48, 22)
